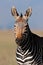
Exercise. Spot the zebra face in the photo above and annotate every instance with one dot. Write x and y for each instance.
(21, 24)
(20, 29)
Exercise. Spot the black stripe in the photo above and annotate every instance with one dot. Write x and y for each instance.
(18, 50)
(19, 56)
(19, 60)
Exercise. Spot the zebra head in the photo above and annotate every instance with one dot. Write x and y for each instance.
(21, 24)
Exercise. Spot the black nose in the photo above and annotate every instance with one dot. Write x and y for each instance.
(16, 39)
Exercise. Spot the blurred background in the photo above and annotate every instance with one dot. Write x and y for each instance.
(7, 43)
(7, 20)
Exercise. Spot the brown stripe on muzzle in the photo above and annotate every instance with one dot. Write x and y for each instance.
(18, 33)
(20, 28)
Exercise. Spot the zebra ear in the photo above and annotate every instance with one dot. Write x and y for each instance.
(28, 13)
(14, 12)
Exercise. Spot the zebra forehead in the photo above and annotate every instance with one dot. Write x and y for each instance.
(20, 19)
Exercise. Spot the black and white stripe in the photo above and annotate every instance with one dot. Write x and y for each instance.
(29, 53)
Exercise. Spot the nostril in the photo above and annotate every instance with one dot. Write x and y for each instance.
(17, 40)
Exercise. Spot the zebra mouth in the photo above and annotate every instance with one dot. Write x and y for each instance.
(21, 40)
(18, 41)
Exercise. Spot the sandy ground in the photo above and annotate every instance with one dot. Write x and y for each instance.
(8, 47)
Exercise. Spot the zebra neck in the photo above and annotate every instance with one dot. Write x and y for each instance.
(27, 45)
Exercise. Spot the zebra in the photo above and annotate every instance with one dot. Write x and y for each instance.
(29, 45)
